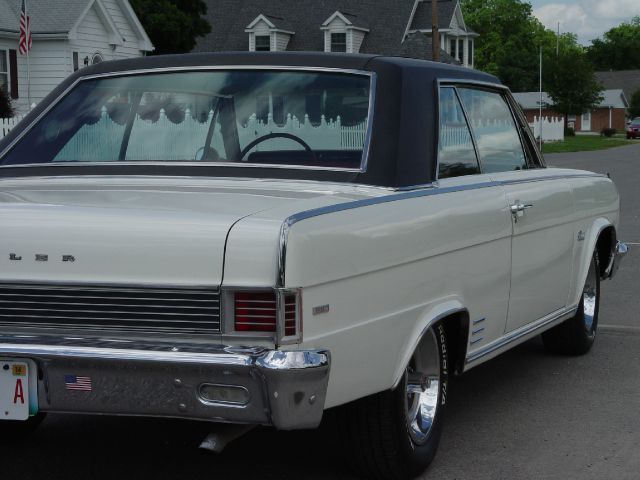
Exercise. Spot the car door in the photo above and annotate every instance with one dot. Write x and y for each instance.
(540, 206)
(475, 211)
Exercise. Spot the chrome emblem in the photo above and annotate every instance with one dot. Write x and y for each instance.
(320, 309)
(41, 257)
(581, 236)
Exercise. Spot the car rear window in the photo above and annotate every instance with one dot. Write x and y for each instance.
(253, 117)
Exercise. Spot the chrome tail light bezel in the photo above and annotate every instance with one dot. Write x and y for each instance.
(281, 336)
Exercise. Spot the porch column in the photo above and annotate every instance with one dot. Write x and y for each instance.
(610, 116)
(465, 61)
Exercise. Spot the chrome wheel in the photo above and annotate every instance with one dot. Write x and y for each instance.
(590, 299)
(423, 389)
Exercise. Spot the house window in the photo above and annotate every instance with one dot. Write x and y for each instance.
(263, 43)
(452, 47)
(471, 52)
(338, 42)
(97, 58)
(76, 62)
(461, 50)
(4, 70)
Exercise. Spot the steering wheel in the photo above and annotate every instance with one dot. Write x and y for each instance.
(269, 136)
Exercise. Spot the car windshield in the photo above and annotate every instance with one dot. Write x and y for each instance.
(259, 117)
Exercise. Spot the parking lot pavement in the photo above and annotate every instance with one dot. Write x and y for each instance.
(525, 415)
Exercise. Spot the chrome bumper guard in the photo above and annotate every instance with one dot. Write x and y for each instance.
(285, 389)
(618, 254)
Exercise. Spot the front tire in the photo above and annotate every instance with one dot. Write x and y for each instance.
(395, 434)
(577, 335)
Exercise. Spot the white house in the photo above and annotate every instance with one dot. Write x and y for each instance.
(67, 35)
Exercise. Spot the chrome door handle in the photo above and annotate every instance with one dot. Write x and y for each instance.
(518, 208)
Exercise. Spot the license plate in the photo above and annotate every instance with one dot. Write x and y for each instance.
(15, 389)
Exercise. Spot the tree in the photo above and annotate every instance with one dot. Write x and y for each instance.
(173, 25)
(571, 83)
(619, 49)
(634, 105)
(6, 109)
(509, 40)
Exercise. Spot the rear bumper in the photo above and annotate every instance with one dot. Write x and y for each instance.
(285, 389)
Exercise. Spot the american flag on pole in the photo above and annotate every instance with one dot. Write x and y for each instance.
(73, 382)
(24, 41)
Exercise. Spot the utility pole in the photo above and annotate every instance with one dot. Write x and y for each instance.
(435, 32)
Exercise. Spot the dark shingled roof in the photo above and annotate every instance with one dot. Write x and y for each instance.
(419, 45)
(45, 17)
(627, 80)
(422, 17)
(386, 20)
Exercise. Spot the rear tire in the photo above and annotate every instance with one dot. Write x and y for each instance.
(395, 434)
(576, 335)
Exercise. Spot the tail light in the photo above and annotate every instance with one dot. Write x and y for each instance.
(255, 312)
(268, 311)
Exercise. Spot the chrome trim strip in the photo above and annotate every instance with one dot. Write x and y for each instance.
(520, 334)
(480, 320)
(422, 191)
(477, 331)
(365, 151)
(473, 342)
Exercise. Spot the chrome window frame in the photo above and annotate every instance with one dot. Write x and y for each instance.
(523, 132)
(364, 160)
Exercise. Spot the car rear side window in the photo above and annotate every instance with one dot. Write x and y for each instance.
(494, 129)
(456, 155)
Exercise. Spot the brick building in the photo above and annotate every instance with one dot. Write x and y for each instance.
(611, 113)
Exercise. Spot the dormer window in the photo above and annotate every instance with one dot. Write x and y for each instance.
(338, 42)
(263, 43)
(268, 34)
(343, 32)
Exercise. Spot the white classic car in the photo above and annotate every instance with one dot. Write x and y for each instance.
(256, 238)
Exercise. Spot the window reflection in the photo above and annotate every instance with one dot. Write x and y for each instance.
(495, 131)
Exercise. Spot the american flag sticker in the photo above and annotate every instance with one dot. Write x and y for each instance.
(74, 382)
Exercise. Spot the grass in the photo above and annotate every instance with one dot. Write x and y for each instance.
(583, 143)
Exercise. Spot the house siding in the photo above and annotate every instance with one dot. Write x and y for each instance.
(92, 37)
(357, 39)
(48, 66)
(282, 40)
(131, 42)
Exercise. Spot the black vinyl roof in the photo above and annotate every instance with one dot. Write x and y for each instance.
(403, 144)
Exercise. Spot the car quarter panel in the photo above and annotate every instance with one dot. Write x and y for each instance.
(386, 270)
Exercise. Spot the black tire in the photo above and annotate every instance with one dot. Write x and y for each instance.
(12, 431)
(577, 335)
(375, 430)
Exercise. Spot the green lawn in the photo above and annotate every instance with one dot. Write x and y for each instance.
(582, 143)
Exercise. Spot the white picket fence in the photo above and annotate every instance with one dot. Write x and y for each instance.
(552, 129)
(6, 124)
(166, 140)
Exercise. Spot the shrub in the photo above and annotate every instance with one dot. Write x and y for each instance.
(569, 132)
(6, 109)
(608, 132)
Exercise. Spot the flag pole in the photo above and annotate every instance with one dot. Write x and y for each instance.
(540, 117)
(28, 20)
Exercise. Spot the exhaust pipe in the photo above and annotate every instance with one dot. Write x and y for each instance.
(218, 439)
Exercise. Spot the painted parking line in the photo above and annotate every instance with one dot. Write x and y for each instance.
(619, 329)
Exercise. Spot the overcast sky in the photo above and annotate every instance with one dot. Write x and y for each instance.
(589, 19)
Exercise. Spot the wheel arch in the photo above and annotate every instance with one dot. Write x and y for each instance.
(603, 238)
(455, 318)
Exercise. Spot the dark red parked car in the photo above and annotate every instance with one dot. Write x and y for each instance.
(633, 129)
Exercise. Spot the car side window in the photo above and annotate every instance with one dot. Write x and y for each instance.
(456, 155)
(495, 131)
